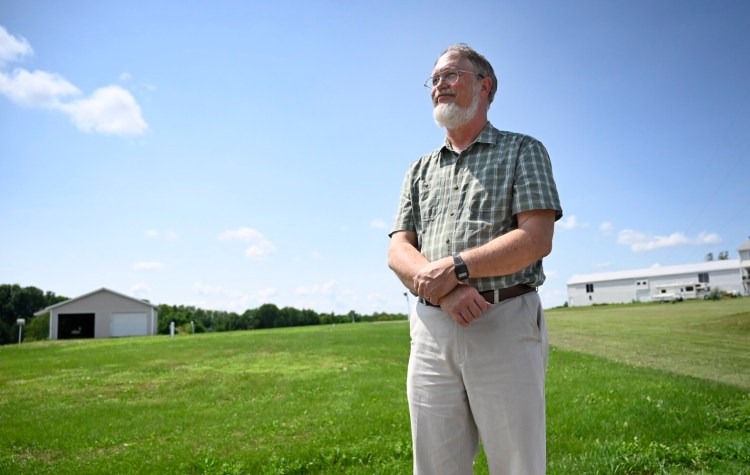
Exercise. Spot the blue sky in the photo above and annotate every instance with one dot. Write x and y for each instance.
(229, 154)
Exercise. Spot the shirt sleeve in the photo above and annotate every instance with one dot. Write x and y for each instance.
(534, 186)
(405, 218)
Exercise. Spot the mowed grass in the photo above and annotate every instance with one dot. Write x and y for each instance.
(331, 399)
(705, 339)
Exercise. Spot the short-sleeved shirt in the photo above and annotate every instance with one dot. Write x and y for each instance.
(459, 201)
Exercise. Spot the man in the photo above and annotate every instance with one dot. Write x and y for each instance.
(475, 219)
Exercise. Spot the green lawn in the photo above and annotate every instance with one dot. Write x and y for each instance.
(631, 390)
(705, 339)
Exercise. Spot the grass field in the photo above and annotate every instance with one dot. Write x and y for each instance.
(705, 339)
(638, 389)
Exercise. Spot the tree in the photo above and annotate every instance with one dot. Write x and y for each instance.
(267, 315)
(724, 256)
(37, 329)
(21, 302)
(710, 256)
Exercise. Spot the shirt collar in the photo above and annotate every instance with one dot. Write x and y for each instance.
(488, 135)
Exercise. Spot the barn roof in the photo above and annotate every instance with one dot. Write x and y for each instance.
(103, 289)
(656, 271)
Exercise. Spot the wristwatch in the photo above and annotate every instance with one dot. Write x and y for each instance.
(462, 271)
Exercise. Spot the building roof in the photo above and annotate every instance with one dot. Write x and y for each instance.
(103, 289)
(745, 246)
(656, 271)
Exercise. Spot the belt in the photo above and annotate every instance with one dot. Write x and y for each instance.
(497, 295)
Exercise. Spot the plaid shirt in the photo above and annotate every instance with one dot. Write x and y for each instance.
(460, 201)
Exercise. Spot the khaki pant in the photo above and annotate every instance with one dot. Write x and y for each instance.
(482, 382)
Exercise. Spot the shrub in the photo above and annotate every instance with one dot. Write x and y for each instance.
(37, 329)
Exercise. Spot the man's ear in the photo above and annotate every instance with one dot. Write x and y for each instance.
(486, 86)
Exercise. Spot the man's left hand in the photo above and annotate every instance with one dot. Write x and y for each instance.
(464, 305)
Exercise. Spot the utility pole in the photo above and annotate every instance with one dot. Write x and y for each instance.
(20, 322)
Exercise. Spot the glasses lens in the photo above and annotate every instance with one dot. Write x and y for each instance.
(451, 77)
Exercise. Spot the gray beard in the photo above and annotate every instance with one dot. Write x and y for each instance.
(451, 116)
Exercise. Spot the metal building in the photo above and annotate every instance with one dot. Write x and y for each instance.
(663, 282)
(102, 313)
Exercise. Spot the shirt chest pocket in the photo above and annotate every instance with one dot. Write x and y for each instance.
(431, 199)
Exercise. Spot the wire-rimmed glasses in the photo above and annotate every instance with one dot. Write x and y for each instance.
(448, 77)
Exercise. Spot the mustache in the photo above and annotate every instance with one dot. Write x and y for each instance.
(442, 94)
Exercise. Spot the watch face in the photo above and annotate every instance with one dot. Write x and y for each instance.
(462, 272)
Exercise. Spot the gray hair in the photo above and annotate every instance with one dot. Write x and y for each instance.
(480, 62)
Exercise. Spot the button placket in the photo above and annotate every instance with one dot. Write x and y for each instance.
(452, 210)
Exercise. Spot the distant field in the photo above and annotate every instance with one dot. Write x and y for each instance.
(629, 392)
(702, 338)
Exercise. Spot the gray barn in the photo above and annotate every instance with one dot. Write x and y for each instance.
(102, 313)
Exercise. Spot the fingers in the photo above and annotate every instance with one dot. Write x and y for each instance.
(472, 312)
(464, 305)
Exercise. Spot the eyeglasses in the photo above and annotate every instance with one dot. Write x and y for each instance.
(448, 77)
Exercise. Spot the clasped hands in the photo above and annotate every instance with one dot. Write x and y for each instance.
(437, 283)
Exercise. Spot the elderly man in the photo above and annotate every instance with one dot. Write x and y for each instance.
(475, 218)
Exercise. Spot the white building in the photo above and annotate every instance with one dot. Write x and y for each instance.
(644, 285)
(101, 314)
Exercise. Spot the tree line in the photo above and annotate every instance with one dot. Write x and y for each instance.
(22, 302)
(189, 319)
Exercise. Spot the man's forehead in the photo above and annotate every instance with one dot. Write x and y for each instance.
(450, 60)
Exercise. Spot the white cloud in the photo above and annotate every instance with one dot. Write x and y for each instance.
(327, 288)
(37, 89)
(13, 48)
(265, 294)
(242, 234)
(231, 300)
(109, 110)
(606, 228)
(139, 290)
(708, 238)
(568, 223)
(640, 242)
(376, 301)
(260, 248)
(378, 224)
(203, 289)
(148, 266)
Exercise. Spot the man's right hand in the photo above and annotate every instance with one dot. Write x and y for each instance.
(464, 304)
(436, 280)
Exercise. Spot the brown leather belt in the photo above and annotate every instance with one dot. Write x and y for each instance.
(498, 295)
